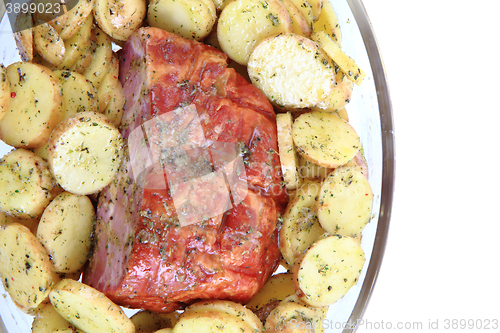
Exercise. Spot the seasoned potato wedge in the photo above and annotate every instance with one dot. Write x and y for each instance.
(79, 94)
(119, 19)
(25, 267)
(305, 8)
(228, 307)
(243, 24)
(288, 155)
(48, 320)
(291, 70)
(192, 19)
(65, 230)
(84, 152)
(165, 330)
(48, 44)
(31, 224)
(300, 226)
(310, 170)
(4, 91)
(101, 59)
(300, 25)
(345, 201)
(147, 321)
(328, 22)
(35, 106)
(24, 36)
(210, 321)
(85, 58)
(110, 87)
(327, 270)
(76, 45)
(26, 184)
(329, 148)
(293, 317)
(345, 63)
(277, 288)
(339, 97)
(74, 18)
(88, 309)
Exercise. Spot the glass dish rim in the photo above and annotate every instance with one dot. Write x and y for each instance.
(388, 161)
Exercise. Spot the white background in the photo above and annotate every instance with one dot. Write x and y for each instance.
(443, 67)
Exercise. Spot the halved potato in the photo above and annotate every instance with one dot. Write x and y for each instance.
(4, 91)
(65, 230)
(75, 18)
(31, 224)
(308, 169)
(325, 139)
(328, 22)
(288, 155)
(26, 184)
(210, 321)
(84, 152)
(76, 45)
(101, 59)
(147, 321)
(243, 24)
(25, 267)
(78, 93)
(35, 106)
(305, 8)
(300, 226)
(300, 25)
(327, 270)
(118, 18)
(339, 97)
(83, 62)
(277, 288)
(192, 19)
(345, 201)
(292, 317)
(48, 320)
(291, 70)
(48, 44)
(345, 63)
(88, 309)
(228, 307)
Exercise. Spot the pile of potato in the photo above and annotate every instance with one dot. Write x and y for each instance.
(61, 108)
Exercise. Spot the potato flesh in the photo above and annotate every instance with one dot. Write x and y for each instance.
(84, 152)
(26, 184)
(191, 19)
(345, 201)
(277, 288)
(300, 222)
(25, 266)
(329, 148)
(65, 230)
(88, 309)
(288, 155)
(35, 106)
(291, 70)
(328, 269)
(244, 23)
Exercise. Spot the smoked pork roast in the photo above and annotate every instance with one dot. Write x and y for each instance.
(192, 212)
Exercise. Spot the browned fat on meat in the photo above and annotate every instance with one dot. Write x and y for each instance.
(192, 212)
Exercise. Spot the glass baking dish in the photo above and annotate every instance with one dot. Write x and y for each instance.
(370, 113)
